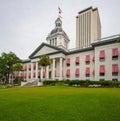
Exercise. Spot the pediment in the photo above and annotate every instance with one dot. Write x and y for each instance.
(44, 49)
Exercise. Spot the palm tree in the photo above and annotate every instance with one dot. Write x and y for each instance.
(44, 61)
(18, 67)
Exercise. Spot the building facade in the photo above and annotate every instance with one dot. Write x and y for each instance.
(98, 61)
(88, 27)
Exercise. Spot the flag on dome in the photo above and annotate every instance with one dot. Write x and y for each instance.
(59, 12)
(59, 9)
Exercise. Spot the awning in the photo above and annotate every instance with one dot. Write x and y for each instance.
(77, 60)
(77, 71)
(102, 54)
(68, 61)
(115, 52)
(102, 69)
(68, 72)
(115, 68)
(87, 70)
(87, 59)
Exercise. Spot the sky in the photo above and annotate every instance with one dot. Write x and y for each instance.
(25, 24)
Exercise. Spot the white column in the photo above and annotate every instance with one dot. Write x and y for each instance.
(47, 72)
(36, 70)
(53, 69)
(31, 70)
(41, 75)
(60, 71)
(27, 72)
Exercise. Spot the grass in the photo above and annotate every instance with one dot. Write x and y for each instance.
(60, 103)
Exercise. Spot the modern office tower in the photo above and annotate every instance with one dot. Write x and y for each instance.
(88, 27)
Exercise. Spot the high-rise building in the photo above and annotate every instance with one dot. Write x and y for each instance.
(88, 27)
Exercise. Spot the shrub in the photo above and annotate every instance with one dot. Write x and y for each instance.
(17, 80)
(82, 83)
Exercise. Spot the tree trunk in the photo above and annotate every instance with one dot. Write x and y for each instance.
(7, 78)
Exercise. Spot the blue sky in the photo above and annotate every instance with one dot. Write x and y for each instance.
(25, 24)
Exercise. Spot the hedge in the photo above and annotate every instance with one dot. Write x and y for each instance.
(82, 83)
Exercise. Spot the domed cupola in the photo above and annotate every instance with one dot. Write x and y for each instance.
(58, 23)
(57, 36)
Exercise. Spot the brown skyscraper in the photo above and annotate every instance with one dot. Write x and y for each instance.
(88, 27)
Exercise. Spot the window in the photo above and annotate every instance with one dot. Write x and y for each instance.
(102, 70)
(102, 55)
(25, 75)
(115, 70)
(68, 72)
(34, 74)
(30, 67)
(68, 61)
(115, 53)
(38, 74)
(77, 60)
(114, 79)
(87, 59)
(87, 72)
(77, 71)
(29, 75)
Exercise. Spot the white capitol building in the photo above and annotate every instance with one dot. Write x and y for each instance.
(93, 59)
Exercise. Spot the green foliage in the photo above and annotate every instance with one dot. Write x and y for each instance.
(18, 80)
(44, 61)
(82, 83)
(7, 60)
(17, 67)
(118, 40)
(60, 103)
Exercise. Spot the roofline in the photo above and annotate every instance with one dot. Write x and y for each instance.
(26, 61)
(84, 10)
(80, 50)
(40, 46)
(50, 54)
(106, 40)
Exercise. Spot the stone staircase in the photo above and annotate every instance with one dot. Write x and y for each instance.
(32, 83)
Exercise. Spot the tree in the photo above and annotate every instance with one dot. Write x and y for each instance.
(17, 67)
(118, 40)
(44, 61)
(7, 60)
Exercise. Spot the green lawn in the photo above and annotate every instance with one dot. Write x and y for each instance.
(60, 103)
